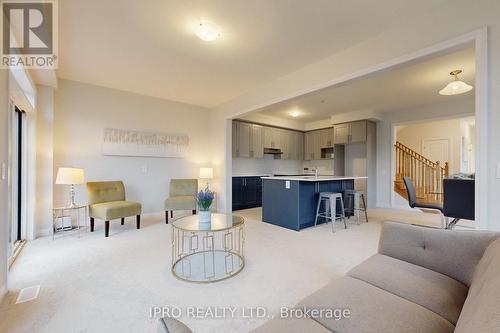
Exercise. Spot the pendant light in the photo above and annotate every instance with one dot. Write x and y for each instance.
(456, 86)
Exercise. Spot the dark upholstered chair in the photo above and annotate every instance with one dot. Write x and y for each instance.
(412, 200)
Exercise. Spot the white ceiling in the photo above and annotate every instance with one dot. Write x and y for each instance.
(401, 88)
(148, 47)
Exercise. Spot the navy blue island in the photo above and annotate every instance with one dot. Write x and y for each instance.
(290, 202)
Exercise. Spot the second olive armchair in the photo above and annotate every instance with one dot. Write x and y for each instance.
(107, 202)
(182, 196)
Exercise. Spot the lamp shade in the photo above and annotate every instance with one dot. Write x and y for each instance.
(70, 176)
(206, 173)
(455, 88)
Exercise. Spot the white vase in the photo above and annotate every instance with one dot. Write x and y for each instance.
(205, 216)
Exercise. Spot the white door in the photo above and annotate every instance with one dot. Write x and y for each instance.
(436, 150)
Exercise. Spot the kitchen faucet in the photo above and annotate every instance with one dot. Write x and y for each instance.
(315, 172)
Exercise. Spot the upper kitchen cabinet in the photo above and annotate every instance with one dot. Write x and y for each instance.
(247, 140)
(326, 138)
(353, 132)
(272, 137)
(312, 149)
(316, 142)
(257, 141)
(244, 131)
(341, 133)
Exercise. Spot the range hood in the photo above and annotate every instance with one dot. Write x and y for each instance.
(273, 151)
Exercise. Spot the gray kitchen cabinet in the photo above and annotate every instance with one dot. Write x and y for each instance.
(287, 145)
(358, 132)
(244, 131)
(235, 139)
(271, 137)
(293, 146)
(249, 141)
(353, 132)
(300, 146)
(308, 146)
(257, 142)
(341, 133)
(326, 138)
(312, 145)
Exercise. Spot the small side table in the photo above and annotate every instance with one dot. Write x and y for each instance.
(59, 213)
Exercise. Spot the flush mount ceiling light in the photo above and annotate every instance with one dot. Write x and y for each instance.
(456, 86)
(207, 31)
(295, 114)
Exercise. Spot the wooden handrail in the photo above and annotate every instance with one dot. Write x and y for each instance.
(427, 175)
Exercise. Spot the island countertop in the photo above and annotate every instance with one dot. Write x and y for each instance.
(315, 179)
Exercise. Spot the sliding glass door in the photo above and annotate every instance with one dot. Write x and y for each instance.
(18, 188)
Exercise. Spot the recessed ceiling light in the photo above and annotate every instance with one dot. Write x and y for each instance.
(207, 31)
(295, 114)
(456, 86)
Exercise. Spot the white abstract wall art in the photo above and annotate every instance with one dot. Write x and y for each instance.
(123, 142)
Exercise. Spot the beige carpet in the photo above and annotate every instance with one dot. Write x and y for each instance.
(93, 284)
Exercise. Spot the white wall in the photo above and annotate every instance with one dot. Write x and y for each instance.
(437, 26)
(468, 161)
(44, 160)
(4, 221)
(413, 135)
(82, 112)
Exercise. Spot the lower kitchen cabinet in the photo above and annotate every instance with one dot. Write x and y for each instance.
(247, 192)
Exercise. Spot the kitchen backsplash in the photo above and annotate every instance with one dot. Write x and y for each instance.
(270, 166)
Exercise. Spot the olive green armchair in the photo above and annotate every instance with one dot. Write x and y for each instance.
(182, 196)
(107, 202)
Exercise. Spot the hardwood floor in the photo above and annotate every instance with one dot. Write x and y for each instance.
(421, 197)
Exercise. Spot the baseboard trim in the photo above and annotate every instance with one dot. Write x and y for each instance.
(16, 253)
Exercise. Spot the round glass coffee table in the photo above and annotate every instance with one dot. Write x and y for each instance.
(208, 252)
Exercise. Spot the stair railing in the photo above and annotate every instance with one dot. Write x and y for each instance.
(427, 175)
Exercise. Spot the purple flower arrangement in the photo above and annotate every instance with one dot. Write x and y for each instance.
(204, 199)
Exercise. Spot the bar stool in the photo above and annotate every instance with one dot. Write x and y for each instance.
(353, 199)
(330, 199)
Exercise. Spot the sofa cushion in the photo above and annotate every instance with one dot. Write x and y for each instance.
(171, 325)
(291, 325)
(372, 310)
(114, 210)
(454, 253)
(481, 311)
(182, 202)
(434, 291)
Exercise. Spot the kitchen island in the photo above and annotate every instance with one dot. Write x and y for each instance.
(290, 202)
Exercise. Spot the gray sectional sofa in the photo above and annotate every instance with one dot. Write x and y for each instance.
(422, 280)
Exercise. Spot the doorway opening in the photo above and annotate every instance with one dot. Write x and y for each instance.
(428, 152)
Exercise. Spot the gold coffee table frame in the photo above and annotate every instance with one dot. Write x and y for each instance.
(208, 252)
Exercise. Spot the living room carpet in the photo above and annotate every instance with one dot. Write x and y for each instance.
(97, 284)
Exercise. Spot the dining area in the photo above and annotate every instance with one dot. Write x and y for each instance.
(454, 201)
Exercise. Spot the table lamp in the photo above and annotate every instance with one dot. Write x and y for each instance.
(207, 174)
(70, 176)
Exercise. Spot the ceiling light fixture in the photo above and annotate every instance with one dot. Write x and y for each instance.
(295, 114)
(207, 31)
(456, 86)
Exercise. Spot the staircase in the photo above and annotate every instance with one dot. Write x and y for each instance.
(427, 176)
